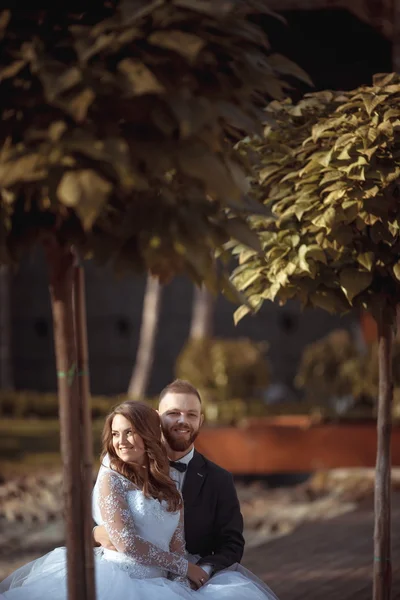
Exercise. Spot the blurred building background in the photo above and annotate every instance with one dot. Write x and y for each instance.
(114, 309)
(341, 45)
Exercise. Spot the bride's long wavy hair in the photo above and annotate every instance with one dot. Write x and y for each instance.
(153, 479)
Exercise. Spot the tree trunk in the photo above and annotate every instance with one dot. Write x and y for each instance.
(382, 544)
(6, 371)
(202, 325)
(148, 331)
(85, 425)
(396, 36)
(61, 276)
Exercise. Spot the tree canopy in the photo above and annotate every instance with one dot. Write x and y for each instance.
(117, 129)
(329, 172)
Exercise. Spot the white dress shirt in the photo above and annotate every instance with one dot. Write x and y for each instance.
(177, 476)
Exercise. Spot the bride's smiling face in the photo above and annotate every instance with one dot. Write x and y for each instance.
(128, 444)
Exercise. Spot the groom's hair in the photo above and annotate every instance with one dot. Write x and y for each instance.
(179, 386)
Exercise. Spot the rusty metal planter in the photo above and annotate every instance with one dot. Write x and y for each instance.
(293, 444)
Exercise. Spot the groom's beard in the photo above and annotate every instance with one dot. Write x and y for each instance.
(179, 444)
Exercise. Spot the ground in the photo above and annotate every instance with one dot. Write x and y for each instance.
(311, 541)
(328, 560)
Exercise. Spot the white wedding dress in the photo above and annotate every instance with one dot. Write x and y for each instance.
(150, 563)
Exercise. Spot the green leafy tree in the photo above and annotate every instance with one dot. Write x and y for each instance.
(117, 131)
(116, 144)
(330, 174)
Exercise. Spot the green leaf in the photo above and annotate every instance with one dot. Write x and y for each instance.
(345, 154)
(235, 116)
(268, 171)
(271, 291)
(396, 270)
(379, 233)
(353, 282)
(25, 168)
(305, 263)
(245, 279)
(86, 192)
(204, 6)
(300, 208)
(141, 79)
(367, 260)
(316, 253)
(335, 195)
(211, 170)
(320, 128)
(12, 69)
(186, 44)
(245, 255)
(240, 231)
(78, 107)
(288, 67)
(327, 219)
(325, 158)
(329, 300)
(371, 101)
(241, 312)
(5, 17)
(232, 293)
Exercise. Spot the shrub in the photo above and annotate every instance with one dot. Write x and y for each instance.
(26, 404)
(331, 368)
(223, 369)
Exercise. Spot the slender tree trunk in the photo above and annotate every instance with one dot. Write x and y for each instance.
(61, 276)
(148, 331)
(382, 543)
(6, 371)
(85, 422)
(202, 325)
(396, 36)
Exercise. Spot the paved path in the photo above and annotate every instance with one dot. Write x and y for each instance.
(321, 560)
(327, 560)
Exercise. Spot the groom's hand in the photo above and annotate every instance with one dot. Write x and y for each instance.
(101, 538)
(197, 575)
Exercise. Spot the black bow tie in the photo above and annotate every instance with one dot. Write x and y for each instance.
(181, 467)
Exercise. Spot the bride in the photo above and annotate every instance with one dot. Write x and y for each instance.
(142, 511)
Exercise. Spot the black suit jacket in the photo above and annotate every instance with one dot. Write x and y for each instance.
(213, 521)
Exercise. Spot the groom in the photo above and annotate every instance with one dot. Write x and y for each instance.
(213, 521)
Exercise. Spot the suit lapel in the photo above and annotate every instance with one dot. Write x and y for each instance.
(195, 476)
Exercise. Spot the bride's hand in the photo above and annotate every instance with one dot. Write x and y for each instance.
(197, 575)
(100, 537)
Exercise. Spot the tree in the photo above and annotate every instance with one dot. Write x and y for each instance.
(116, 131)
(6, 371)
(202, 325)
(147, 339)
(330, 173)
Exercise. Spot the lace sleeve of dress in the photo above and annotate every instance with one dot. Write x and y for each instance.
(120, 526)
(178, 544)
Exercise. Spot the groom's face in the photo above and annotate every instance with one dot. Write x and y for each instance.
(181, 420)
